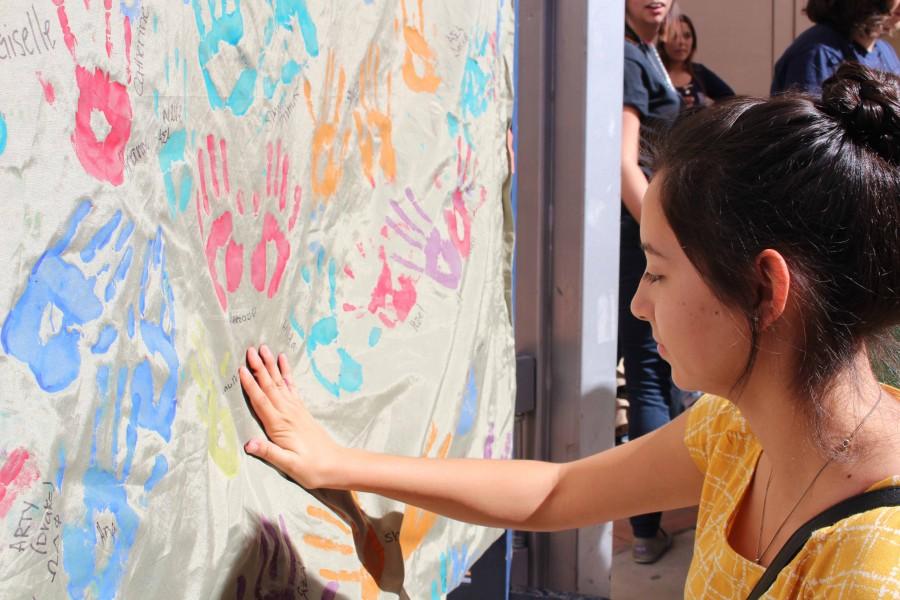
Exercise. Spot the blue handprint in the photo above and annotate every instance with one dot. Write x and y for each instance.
(286, 11)
(454, 564)
(324, 332)
(228, 28)
(106, 486)
(60, 293)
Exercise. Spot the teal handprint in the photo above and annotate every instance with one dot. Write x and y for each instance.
(324, 333)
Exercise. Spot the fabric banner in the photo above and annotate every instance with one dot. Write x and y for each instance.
(184, 178)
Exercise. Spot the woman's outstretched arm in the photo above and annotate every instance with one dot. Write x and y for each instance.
(654, 472)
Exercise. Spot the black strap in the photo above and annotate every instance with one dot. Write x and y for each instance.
(857, 504)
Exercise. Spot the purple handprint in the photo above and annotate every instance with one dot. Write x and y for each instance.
(281, 575)
(435, 248)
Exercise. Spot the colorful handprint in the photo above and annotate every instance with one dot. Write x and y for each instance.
(281, 574)
(17, 473)
(99, 545)
(44, 329)
(215, 198)
(372, 120)
(330, 141)
(324, 332)
(102, 156)
(222, 443)
(440, 259)
(417, 48)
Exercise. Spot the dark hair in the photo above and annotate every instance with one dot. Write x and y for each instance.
(661, 45)
(850, 17)
(818, 180)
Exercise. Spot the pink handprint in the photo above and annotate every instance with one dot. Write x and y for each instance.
(458, 217)
(103, 159)
(214, 193)
(435, 249)
(390, 301)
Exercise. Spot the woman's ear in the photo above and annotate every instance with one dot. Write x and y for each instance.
(774, 286)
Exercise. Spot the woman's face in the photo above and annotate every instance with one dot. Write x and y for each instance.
(705, 342)
(679, 41)
(648, 12)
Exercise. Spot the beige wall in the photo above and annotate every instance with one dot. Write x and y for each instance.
(741, 41)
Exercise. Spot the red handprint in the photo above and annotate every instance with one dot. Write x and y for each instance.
(103, 159)
(222, 232)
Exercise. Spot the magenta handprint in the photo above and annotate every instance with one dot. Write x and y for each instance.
(441, 259)
(102, 156)
(216, 206)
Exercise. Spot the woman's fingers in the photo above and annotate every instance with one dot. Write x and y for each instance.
(271, 366)
(261, 373)
(262, 406)
(285, 369)
(271, 453)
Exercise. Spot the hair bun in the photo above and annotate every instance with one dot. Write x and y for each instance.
(867, 103)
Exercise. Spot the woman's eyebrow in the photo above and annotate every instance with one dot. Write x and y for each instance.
(649, 249)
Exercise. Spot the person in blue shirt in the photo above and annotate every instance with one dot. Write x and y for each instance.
(697, 84)
(844, 31)
(650, 105)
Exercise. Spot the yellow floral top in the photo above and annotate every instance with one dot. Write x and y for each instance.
(855, 559)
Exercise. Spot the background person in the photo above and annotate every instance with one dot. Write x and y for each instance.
(844, 31)
(650, 106)
(697, 85)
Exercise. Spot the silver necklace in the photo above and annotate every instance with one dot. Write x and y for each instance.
(845, 445)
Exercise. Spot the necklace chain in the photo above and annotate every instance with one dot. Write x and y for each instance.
(845, 445)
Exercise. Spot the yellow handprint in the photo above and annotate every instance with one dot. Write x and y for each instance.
(222, 437)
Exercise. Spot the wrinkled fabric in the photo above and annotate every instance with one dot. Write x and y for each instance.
(184, 179)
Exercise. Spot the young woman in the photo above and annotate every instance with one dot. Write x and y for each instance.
(772, 234)
(697, 85)
(843, 32)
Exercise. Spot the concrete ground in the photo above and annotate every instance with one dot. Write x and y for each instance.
(662, 580)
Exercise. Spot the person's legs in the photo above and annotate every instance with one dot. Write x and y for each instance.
(647, 376)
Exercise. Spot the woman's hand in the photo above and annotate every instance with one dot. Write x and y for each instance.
(297, 445)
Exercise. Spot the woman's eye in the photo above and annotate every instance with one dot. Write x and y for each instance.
(651, 277)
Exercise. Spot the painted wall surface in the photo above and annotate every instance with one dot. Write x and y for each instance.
(184, 178)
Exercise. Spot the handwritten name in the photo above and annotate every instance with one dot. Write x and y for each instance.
(139, 53)
(237, 318)
(38, 532)
(26, 37)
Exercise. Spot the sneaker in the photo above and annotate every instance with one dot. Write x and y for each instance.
(649, 550)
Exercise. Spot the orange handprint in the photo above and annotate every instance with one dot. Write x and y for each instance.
(416, 521)
(371, 118)
(328, 143)
(360, 576)
(413, 35)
